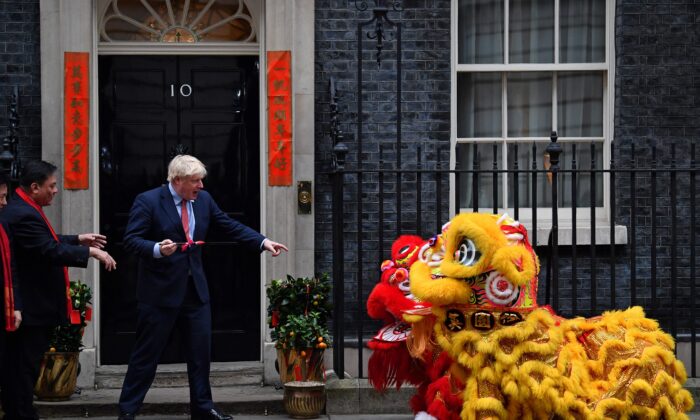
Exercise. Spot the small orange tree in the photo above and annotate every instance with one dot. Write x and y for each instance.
(298, 312)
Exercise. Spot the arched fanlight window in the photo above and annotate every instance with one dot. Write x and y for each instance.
(177, 21)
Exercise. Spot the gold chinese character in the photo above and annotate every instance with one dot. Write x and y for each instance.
(278, 84)
(280, 163)
(75, 150)
(280, 115)
(76, 118)
(455, 320)
(482, 320)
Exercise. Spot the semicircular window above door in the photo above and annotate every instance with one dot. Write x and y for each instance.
(177, 21)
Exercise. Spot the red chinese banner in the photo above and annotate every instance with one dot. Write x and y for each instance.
(279, 118)
(76, 115)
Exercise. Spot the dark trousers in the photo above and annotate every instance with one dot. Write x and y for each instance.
(3, 346)
(21, 364)
(153, 328)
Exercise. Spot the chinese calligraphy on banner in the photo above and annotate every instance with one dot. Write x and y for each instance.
(76, 120)
(279, 119)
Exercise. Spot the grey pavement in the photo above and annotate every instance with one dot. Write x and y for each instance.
(276, 417)
(693, 416)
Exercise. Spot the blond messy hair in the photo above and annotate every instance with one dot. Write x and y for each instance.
(184, 166)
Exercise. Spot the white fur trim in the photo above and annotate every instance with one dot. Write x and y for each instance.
(422, 415)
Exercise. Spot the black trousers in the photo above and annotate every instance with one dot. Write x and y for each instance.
(3, 346)
(153, 327)
(20, 370)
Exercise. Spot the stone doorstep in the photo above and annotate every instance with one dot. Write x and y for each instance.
(222, 374)
(254, 400)
(356, 396)
(693, 385)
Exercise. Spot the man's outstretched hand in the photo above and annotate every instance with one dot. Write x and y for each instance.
(104, 258)
(94, 240)
(274, 247)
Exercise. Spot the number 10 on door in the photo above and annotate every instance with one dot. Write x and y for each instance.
(185, 90)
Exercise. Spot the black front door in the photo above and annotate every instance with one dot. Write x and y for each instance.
(152, 108)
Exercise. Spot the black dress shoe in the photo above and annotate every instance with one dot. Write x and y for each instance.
(211, 415)
(126, 416)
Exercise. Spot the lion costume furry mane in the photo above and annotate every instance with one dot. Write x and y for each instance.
(490, 352)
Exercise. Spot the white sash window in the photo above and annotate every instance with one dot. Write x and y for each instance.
(522, 69)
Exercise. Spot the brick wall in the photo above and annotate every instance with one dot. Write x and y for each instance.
(425, 104)
(20, 66)
(657, 105)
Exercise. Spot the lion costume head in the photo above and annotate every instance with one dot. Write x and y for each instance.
(480, 260)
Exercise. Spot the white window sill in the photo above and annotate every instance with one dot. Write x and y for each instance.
(583, 235)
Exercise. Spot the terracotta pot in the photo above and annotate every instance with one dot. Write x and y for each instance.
(293, 366)
(304, 399)
(58, 376)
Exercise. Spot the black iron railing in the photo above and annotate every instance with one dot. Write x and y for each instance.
(653, 201)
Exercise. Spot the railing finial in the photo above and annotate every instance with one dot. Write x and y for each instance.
(9, 161)
(554, 149)
(340, 149)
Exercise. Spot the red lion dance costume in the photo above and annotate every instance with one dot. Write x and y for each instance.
(504, 357)
(391, 363)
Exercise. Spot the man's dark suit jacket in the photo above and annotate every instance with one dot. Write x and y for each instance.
(153, 218)
(39, 262)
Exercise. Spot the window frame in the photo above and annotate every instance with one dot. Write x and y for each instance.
(544, 214)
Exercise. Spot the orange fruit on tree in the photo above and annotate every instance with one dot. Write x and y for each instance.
(322, 345)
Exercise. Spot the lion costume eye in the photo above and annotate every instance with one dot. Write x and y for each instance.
(466, 253)
(403, 252)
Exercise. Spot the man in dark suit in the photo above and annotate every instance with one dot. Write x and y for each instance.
(41, 257)
(166, 229)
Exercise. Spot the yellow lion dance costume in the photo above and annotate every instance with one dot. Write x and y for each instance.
(510, 358)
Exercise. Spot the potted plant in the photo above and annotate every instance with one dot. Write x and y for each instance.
(59, 368)
(297, 314)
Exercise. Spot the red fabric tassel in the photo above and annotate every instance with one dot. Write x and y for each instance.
(441, 402)
(7, 277)
(391, 365)
(74, 317)
(274, 322)
(417, 401)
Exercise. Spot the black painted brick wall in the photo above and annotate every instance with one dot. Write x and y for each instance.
(20, 66)
(657, 110)
(425, 105)
(657, 106)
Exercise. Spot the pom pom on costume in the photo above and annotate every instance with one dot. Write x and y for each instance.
(510, 358)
